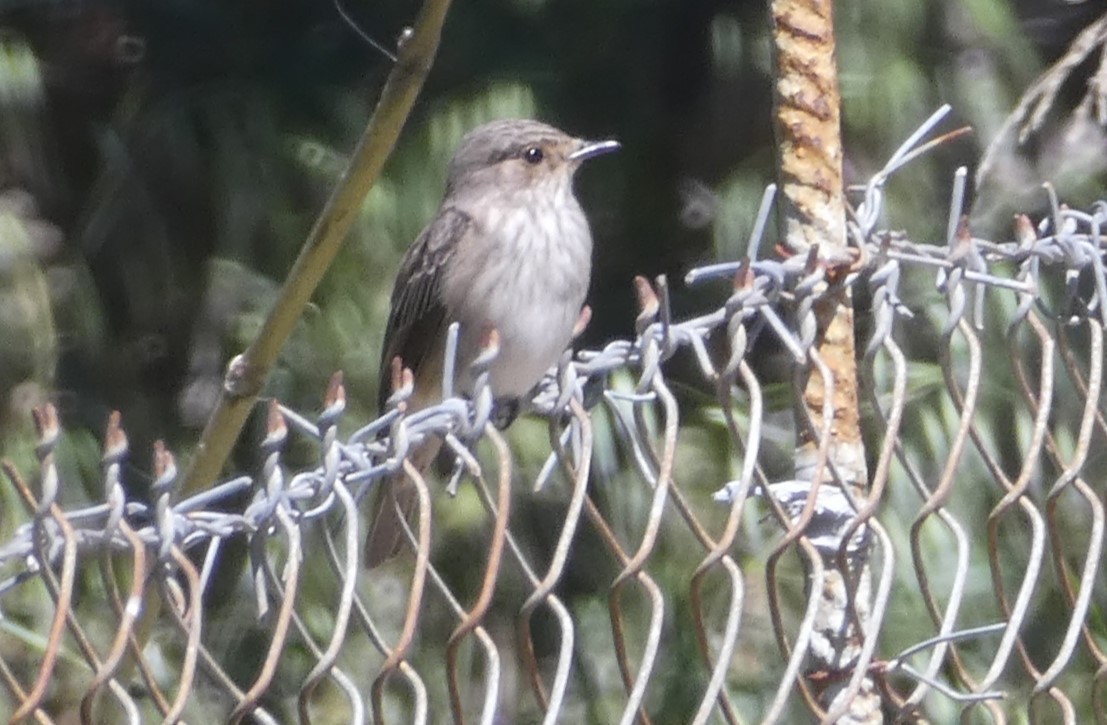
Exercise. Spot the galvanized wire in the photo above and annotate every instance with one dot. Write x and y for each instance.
(1036, 301)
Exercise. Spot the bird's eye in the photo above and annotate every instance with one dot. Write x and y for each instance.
(533, 155)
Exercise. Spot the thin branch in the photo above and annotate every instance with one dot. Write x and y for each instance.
(247, 373)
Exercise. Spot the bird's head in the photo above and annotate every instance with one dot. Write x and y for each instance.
(519, 155)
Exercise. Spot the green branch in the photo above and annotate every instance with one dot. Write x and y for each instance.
(247, 374)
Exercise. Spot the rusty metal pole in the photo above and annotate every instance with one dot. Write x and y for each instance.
(808, 127)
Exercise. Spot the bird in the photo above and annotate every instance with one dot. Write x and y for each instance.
(509, 249)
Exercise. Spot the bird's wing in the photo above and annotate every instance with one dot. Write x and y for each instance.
(417, 320)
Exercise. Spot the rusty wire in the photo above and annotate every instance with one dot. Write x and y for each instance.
(1023, 502)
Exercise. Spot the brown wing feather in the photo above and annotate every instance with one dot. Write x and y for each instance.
(417, 320)
(415, 331)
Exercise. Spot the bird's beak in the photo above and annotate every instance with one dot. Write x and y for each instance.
(591, 149)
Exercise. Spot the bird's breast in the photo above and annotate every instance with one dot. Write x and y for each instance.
(526, 273)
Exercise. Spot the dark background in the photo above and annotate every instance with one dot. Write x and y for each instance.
(178, 133)
(161, 163)
(181, 150)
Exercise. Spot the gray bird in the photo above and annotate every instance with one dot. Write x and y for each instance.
(509, 248)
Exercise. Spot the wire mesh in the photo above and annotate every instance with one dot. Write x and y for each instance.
(981, 529)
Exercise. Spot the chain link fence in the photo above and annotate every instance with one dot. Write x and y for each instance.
(662, 591)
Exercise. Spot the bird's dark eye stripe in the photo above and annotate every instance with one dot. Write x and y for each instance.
(519, 151)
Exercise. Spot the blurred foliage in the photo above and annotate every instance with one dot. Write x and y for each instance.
(161, 162)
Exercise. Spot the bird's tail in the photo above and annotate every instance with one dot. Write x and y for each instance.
(396, 496)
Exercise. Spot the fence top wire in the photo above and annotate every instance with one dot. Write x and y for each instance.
(772, 297)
